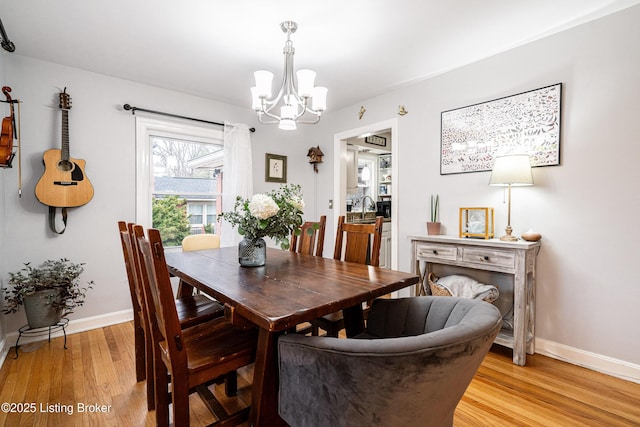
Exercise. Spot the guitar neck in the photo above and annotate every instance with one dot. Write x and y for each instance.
(65, 136)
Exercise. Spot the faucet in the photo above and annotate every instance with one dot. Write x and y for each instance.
(364, 207)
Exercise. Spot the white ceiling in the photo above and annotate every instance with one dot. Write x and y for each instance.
(209, 48)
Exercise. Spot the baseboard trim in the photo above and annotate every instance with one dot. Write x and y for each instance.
(593, 361)
(596, 362)
(74, 326)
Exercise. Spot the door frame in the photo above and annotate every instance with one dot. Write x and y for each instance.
(340, 172)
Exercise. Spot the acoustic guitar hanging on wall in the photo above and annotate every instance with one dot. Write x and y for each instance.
(64, 183)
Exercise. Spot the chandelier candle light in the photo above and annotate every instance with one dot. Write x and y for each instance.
(293, 98)
(508, 171)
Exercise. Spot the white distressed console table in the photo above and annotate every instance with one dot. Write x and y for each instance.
(517, 259)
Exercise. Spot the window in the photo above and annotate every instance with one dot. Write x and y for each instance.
(178, 166)
(202, 217)
(195, 214)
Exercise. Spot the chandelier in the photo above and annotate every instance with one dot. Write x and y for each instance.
(294, 99)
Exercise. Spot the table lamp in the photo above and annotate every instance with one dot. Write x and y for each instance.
(508, 171)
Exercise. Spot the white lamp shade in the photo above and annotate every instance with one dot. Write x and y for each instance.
(263, 83)
(320, 98)
(306, 79)
(287, 124)
(256, 103)
(514, 170)
(288, 112)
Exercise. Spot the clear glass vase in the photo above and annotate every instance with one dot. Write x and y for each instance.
(252, 253)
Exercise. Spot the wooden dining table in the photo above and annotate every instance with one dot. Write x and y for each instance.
(288, 290)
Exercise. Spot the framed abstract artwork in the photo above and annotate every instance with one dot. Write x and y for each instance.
(526, 123)
(275, 168)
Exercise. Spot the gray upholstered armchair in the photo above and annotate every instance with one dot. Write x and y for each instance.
(410, 367)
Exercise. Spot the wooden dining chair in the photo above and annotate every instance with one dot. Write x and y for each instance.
(196, 242)
(139, 315)
(311, 238)
(191, 311)
(309, 242)
(193, 357)
(359, 243)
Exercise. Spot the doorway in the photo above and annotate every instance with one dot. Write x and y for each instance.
(340, 172)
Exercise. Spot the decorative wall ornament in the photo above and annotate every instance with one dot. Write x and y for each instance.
(275, 168)
(376, 140)
(315, 156)
(361, 112)
(525, 123)
(401, 110)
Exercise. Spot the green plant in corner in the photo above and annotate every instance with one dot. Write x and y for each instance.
(61, 275)
(435, 207)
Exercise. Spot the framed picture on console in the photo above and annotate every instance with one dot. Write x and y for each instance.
(526, 123)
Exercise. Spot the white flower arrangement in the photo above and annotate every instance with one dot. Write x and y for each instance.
(276, 214)
(262, 206)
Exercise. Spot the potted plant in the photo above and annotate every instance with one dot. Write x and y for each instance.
(48, 293)
(433, 226)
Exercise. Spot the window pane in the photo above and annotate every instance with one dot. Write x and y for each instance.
(184, 178)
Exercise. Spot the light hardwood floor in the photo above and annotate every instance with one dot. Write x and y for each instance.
(97, 371)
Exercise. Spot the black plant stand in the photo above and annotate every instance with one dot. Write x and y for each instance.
(46, 330)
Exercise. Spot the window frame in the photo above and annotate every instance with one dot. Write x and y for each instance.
(178, 129)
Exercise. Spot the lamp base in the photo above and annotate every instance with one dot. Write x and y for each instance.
(508, 237)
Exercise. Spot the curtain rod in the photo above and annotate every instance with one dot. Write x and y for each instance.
(6, 43)
(134, 109)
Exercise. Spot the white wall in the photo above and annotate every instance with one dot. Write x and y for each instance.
(103, 135)
(585, 208)
(3, 173)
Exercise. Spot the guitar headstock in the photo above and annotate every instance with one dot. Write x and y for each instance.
(65, 100)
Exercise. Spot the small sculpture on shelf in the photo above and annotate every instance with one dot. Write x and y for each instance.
(531, 236)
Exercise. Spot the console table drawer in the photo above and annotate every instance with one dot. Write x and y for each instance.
(437, 252)
(496, 258)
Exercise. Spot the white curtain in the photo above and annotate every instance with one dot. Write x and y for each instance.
(238, 175)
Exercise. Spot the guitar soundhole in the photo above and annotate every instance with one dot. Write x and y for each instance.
(65, 165)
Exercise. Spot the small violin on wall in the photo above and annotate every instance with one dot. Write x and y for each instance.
(8, 135)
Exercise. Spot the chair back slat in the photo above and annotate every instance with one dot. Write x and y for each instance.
(311, 238)
(131, 268)
(137, 268)
(160, 288)
(359, 243)
(142, 334)
(161, 309)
